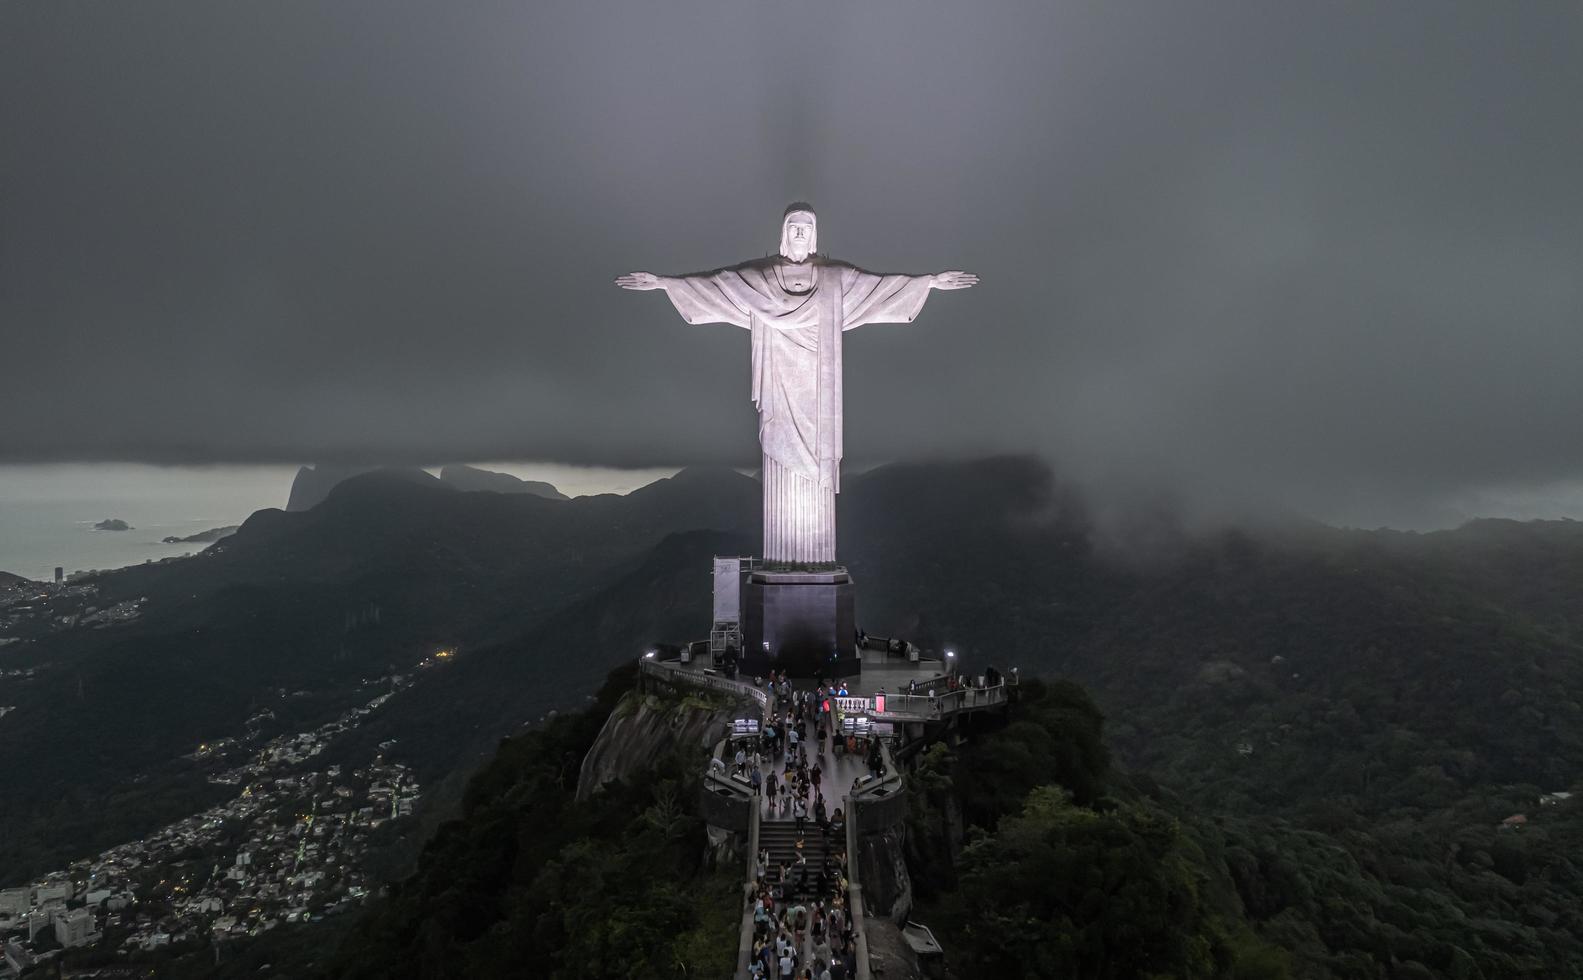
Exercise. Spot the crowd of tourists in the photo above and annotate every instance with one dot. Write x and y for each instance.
(802, 930)
(781, 927)
(797, 789)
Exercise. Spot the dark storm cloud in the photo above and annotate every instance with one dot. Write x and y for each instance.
(1301, 252)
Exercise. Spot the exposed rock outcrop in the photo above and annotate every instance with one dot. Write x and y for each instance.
(882, 870)
(889, 951)
(725, 850)
(644, 728)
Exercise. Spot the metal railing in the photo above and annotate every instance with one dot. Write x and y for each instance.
(946, 703)
(719, 777)
(667, 671)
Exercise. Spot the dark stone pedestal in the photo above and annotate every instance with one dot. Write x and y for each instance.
(799, 622)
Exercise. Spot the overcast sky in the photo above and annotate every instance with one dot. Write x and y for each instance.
(1322, 256)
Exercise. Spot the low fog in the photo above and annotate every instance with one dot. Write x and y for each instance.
(1319, 259)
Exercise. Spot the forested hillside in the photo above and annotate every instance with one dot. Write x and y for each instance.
(1340, 719)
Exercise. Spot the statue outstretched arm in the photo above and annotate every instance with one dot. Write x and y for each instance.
(873, 298)
(702, 298)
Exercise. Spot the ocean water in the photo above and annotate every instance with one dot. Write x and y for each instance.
(47, 513)
(37, 535)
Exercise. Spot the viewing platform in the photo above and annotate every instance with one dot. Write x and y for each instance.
(900, 699)
(782, 645)
(891, 688)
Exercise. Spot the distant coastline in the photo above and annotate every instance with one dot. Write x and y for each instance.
(203, 537)
(36, 537)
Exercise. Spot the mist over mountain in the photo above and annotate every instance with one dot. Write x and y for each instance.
(313, 484)
(464, 477)
(1369, 686)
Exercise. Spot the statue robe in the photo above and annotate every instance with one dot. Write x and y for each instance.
(797, 377)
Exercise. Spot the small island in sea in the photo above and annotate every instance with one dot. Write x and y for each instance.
(112, 524)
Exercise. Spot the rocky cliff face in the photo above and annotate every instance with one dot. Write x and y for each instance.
(314, 483)
(882, 870)
(644, 728)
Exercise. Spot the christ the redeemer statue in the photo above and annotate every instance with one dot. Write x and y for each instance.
(797, 305)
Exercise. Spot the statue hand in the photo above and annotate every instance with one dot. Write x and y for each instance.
(954, 279)
(640, 280)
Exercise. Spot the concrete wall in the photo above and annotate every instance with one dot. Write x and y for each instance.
(882, 813)
(728, 811)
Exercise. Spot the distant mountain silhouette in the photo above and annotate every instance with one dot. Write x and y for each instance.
(314, 483)
(464, 477)
(284, 602)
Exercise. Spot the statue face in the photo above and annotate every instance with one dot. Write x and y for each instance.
(799, 236)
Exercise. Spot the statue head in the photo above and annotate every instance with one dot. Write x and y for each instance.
(799, 232)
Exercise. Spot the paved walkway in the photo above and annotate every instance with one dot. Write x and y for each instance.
(837, 772)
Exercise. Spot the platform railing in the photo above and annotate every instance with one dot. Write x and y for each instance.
(946, 703)
(885, 785)
(720, 776)
(670, 672)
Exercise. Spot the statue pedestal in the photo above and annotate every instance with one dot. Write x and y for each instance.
(799, 622)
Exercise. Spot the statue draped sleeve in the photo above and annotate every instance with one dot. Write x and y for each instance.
(723, 296)
(872, 298)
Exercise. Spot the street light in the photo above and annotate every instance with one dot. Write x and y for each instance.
(649, 655)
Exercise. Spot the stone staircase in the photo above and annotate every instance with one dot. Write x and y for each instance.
(779, 837)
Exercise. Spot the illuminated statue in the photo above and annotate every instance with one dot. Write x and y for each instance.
(797, 305)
